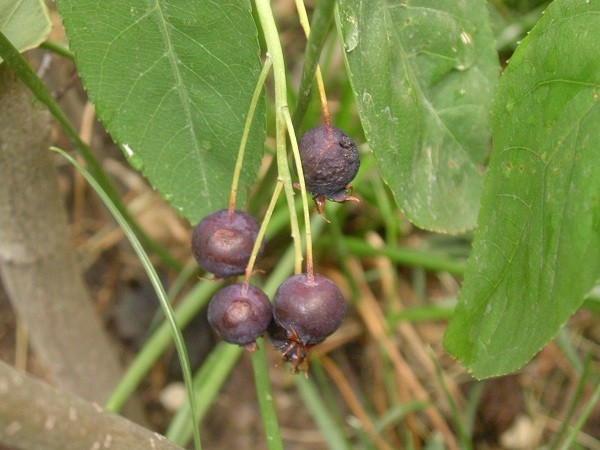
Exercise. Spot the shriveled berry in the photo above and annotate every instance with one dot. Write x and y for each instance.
(240, 313)
(330, 161)
(222, 242)
(310, 310)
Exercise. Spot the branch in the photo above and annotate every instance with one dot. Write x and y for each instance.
(35, 415)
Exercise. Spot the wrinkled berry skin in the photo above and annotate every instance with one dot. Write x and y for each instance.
(240, 315)
(330, 162)
(309, 311)
(222, 244)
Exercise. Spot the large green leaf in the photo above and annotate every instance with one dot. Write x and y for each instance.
(24, 22)
(423, 74)
(172, 82)
(537, 250)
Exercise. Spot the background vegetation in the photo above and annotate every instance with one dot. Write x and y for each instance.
(445, 144)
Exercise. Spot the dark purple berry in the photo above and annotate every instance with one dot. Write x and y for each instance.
(330, 162)
(240, 313)
(222, 242)
(309, 310)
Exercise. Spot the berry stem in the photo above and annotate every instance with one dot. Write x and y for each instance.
(319, 77)
(300, 170)
(261, 232)
(267, 21)
(251, 109)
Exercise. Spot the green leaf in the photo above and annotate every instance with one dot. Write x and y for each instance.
(172, 82)
(24, 22)
(537, 250)
(423, 74)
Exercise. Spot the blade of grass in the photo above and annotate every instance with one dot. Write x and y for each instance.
(459, 424)
(183, 277)
(406, 256)
(156, 283)
(566, 346)
(158, 342)
(587, 410)
(18, 64)
(264, 393)
(426, 313)
(579, 389)
(388, 212)
(397, 413)
(207, 384)
(312, 398)
(326, 390)
(471, 406)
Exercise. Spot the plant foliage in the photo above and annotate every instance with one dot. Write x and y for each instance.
(172, 82)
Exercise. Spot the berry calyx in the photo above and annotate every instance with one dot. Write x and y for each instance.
(289, 346)
(330, 161)
(240, 313)
(222, 242)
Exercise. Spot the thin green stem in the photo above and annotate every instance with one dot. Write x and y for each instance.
(318, 76)
(265, 397)
(579, 391)
(387, 210)
(261, 232)
(416, 314)
(312, 398)
(321, 20)
(396, 413)
(569, 350)
(183, 277)
(251, 110)
(459, 424)
(158, 342)
(407, 256)
(587, 410)
(207, 384)
(59, 48)
(16, 63)
(265, 14)
(472, 406)
(303, 193)
(158, 287)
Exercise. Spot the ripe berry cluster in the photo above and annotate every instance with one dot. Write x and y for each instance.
(306, 307)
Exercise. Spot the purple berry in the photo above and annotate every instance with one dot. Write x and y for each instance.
(305, 312)
(330, 162)
(309, 310)
(222, 242)
(240, 313)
